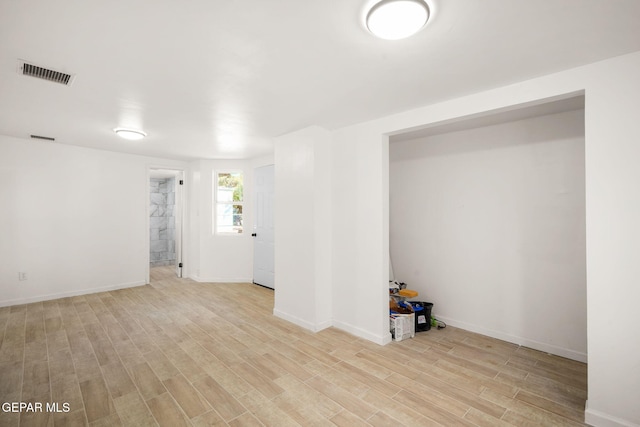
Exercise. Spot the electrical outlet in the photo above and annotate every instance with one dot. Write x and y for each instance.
(22, 275)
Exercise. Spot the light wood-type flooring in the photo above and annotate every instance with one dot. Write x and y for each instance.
(177, 352)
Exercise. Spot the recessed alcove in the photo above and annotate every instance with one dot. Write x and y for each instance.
(487, 221)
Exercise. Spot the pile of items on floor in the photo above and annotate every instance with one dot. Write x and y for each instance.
(408, 317)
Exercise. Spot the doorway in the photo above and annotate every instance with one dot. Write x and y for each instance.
(165, 219)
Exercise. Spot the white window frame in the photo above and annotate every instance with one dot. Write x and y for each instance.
(217, 202)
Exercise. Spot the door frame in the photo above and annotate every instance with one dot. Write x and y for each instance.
(179, 218)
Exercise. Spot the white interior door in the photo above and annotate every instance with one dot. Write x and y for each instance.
(263, 229)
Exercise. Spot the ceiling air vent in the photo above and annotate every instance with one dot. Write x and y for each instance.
(27, 69)
(46, 138)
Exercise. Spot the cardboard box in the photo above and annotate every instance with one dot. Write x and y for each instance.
(402, 326)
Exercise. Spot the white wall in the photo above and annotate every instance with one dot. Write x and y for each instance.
(360, 254)
(612, 92)
(74, 219)
(215, 257)
(613, 241)
(303, 228)
(489, 224)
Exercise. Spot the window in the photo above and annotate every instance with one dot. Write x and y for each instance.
(229, 199)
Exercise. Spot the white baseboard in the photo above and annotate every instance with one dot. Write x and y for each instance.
(359, 332)
(221, 279)
(29, 300)
(353, 330)
(536, 345)
(301, 322)
(324, 325)
(600, 419)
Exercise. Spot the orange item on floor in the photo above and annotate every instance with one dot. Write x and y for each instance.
(407, 293)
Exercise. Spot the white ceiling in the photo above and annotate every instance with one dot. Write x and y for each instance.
(220, 79)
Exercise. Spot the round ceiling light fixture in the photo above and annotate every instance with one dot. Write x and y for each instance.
(130, 134)
(397, 19)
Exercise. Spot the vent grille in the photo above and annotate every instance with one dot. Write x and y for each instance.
(31, 70)
(46, 138)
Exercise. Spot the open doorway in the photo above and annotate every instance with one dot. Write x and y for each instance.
(165, 219)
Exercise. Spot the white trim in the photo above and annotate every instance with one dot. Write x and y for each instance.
(317, 327)
(179, 222)
(302, 323)
(600, 419)
(147, 231)
(39, 298)
(324, 325)
(354, 330)
(536, 345)
(295, 320)
(361, 333)
(221, 279)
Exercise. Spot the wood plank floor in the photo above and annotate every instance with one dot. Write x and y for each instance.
(178, 352)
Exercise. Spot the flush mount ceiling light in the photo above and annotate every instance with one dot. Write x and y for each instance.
(397, 19)
(129, 133)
